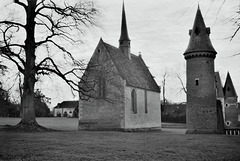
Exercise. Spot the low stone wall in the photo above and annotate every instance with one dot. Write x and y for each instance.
(174, 125)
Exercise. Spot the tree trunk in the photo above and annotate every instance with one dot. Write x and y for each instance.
(28, 115)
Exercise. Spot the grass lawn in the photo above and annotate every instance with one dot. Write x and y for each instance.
(110, 145)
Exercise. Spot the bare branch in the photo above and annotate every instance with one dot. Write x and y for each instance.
(9, 57)
(7, 52)
(182, 84)
(20, 3)
(234, 34)
(46, 70)
(82, 12)
(12, 23)
(64, 50)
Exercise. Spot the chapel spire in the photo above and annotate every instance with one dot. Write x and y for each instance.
(124, 41)
(199, 37)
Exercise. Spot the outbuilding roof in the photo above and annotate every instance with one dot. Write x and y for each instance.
(67, 104)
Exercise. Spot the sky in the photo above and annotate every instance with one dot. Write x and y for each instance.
(158, 30)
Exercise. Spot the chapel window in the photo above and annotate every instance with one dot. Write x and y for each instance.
(145, 98)
(134, 101)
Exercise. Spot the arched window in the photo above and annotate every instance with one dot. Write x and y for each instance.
(65, 114)
(197, 82)
(145, 98)
(134, 101)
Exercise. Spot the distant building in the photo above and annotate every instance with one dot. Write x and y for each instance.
(66, 109)
(231, 105)
(122, 92)
(228, 97)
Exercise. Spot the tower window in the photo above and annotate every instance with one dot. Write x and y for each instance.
(197, 31)
(197, 82)
(228, 123)
(134, 101)
(228, 89)
(99, 50)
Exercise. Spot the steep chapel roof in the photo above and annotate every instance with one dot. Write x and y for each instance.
(134, 71)
(199, 36)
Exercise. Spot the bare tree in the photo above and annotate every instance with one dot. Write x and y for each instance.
(59, 22)
(183, 87)
(164, 90)
(236, 21)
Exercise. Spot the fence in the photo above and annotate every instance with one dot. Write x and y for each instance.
(232, 131)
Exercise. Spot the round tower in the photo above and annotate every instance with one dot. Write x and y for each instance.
(201, 92)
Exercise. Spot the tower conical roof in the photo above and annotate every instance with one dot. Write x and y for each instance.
(199, 36)
(124, 30)
(229, 90)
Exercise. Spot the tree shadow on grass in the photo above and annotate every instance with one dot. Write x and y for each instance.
(26, 128)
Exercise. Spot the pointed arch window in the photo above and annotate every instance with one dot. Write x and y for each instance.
(146, 101)
(134, 101)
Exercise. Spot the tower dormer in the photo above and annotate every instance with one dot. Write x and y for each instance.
(124, 41)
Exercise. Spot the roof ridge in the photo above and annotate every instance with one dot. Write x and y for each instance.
(118, 48)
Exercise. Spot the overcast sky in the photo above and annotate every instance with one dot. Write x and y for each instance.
(158, 29)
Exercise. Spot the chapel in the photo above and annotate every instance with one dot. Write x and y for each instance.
(118, 90)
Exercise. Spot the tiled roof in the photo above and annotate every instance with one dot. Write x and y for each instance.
(134, 71)
(67, 104)
(219, 87)
(199, 36)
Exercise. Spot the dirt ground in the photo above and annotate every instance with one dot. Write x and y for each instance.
(168, 144)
